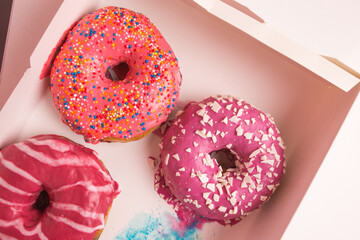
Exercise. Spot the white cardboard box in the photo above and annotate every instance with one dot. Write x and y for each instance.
(215, 58)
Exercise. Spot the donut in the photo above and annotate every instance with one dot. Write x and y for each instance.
(218, 190)
(115, 77)
(52, 188)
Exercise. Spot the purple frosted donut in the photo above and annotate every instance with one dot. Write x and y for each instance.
(198, 181)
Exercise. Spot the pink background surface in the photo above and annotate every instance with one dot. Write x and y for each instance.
(29, 20)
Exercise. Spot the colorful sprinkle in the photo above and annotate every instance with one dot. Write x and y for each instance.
(102, 106)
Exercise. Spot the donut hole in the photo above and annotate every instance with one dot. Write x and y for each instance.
(224, 158)
(117, 72)
(42, 202)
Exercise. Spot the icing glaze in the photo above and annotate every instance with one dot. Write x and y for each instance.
(78, 187)
(191, 180)
(101, 107)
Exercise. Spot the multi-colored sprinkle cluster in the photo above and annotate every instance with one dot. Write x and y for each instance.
(94, 105)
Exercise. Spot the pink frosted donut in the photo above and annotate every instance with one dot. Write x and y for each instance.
(198, 181)
(52, 188)
(115, 77)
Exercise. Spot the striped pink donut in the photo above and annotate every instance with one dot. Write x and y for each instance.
(188, 173)
(52, 188)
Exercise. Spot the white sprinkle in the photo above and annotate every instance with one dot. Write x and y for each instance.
(202, 105)
(216, 197)
(254, 153)
(219, 187)
(206, 195)
(225, 120)
(240, 112)
(239, 131)
(176, 156)
(247, 164)
(258, 176)
(247, 179)
(262, 116)
(253, 120)
(211, 186)
(177, 174)
(269, 161)
(228, 107)
(195, 144)
(222, 134)
(188, 150)
(211, 122)
(270, 187)
(202, 177)
(182, 169)
(167, 159)
(211, 206)
(201, 133)
(227, 188)
(263, 198)
(281, 143)
(206, 118)
(271, 131)
(234, 119)
(201, 112)
(247, 121)
(216, 107)
(230, 179)
(222, 209)
(209, 135)
(248, 135)
(213, 138)
(233, 201)
(235, 210)
(183, 131)
(229, 145)
(243, 184)
(264, 137)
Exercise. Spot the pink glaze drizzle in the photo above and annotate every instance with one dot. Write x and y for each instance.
(70, 174)
(49, 62)
(97, 107)
(195, 184)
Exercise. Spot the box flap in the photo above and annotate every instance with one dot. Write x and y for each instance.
(263, 33)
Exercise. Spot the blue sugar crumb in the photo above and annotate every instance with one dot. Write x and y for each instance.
(148, 227)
